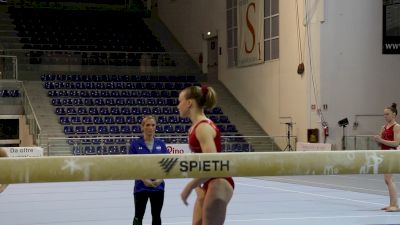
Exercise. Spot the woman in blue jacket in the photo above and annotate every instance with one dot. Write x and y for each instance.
(146, 189)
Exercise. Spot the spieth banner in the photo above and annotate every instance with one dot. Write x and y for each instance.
(250, 32)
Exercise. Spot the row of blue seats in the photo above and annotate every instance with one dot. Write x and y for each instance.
(116, 78)
(9, 93)
(87, 140)
(114, 101)
(115, 93)
(116, 85)
(166, 110)
(95, 140)
(135, 129)
(66, 120)
(123, 129)
(99, 150)
(113, 149)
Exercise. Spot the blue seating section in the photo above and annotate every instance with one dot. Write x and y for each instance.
(113, 105)
(10, 93)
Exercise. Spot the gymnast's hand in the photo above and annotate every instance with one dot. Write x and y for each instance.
(186, 192)
(149, 183)
(157, 182)
(378, 138)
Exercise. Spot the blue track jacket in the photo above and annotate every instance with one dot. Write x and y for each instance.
(138, 146)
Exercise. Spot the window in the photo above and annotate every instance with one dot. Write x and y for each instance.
(231, 13)
(271, 29)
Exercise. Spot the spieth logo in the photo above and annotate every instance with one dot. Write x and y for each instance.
(195, 166)
(168, 163)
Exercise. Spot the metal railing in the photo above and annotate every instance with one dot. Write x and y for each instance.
(361, 142)
(109, 61)
(31, 119)
(72, 145)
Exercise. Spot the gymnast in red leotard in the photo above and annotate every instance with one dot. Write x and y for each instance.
(389, 139)
(213, 194)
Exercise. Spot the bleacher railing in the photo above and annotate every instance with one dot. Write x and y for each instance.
(105, 61)
(31, 119)
(120, 145)
(361, 142)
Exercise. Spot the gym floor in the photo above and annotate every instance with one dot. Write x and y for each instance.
(344, 200)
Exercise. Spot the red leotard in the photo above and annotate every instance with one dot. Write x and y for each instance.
(195, 147)
(388, 135)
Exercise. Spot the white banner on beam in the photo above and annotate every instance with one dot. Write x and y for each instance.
(250, 32)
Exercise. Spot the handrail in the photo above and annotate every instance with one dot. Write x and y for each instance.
(87, 51)
(158, 136)
(31, 108)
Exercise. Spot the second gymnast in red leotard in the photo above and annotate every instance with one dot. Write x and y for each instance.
(389, 139)
(213, 194)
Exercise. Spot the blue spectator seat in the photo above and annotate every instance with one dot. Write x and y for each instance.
(156, 110)
(120, 141)
(115, 111)
(119, 120)
(125, 111)
(77, 102)
(173, 119)
(76, 150)
(125, 129)
(109, 141)
(146, 110)
(109, 120)
(96, 141)
(80, 130)
(136, 111)
(136, 129)
(112, 150)
(231, 128)
(99, 102)
(71, 111)
(67, 102)
(120, 101)
(76, 120)
(82, 111)
(103, 130)
(93, 111)
(89, 102)
(123, 150)
(141, 102)
(69, 130)
(87, 120)
(110, 102)
(64, 120)
(180, 129)
(169, 129)
(159, 129)
(102, 150)
(114, 129)
(104, 111)
(92, 130)
(130, 101)
(130, 120)
(56, 102)
(98, 120)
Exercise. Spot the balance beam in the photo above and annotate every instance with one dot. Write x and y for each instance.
(129, 167)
